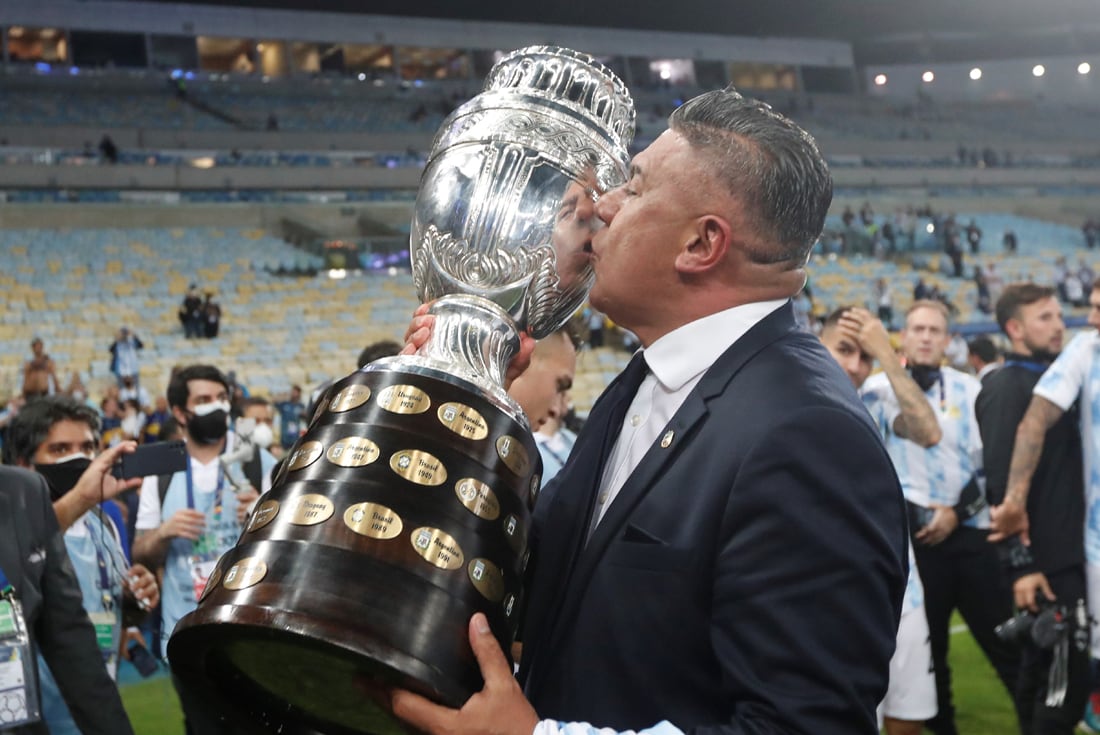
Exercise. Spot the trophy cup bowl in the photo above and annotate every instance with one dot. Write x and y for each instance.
(405, 507)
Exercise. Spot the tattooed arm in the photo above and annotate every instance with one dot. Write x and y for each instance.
(1011, 516)
(917, 421)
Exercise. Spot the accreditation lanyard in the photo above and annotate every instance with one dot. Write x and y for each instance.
(18, 683)
(101, 562)
(218, 489)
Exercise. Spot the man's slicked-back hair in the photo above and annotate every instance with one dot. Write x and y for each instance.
(1016, 295)
(32, 424)
(768, 163)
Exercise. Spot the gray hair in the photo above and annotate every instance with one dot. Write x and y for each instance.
(768, 163)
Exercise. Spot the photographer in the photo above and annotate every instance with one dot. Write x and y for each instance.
(56, 437)
(1049, 575)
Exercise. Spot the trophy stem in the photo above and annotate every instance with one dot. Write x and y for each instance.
(472, 339)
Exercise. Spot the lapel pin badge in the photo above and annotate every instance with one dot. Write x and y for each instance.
(666, 440)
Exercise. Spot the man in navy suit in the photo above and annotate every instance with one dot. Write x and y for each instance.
(725, 550)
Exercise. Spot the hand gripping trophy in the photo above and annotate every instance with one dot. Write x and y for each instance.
(405, 507)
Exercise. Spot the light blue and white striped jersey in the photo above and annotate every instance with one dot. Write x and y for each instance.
(914, 588)
(939, 473)
(1076, 373)
(554, 727)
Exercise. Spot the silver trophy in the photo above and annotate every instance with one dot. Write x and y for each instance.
(406, 506)
(505, 209)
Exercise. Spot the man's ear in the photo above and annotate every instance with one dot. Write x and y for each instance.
(1013, 328)
(707, 246)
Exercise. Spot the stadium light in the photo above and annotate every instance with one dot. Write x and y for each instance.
(362, 77)
(1084, 67)
(927, 77)
(880, 79)
(1038, 70)
(975, 74)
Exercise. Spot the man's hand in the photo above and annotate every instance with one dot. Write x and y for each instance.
(185, 523)
(1026, 588)
(867, 330)
(943, 524)
(498, 709)
(142, 586)
(97, 483)
(1008, 519)
(245, 500)
(420, 330)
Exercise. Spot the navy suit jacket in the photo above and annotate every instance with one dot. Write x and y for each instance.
(748, 577)
(34, 559)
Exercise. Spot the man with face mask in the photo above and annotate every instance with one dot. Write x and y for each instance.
(56, 437)
(257, 426)
(186, 521)
(948, 519)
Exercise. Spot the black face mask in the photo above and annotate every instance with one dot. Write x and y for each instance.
(210, 428)
(62, 477)
(925, 375)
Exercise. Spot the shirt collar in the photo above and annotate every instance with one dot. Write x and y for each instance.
(688, 351)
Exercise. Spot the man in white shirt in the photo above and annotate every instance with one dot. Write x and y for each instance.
(187, 520)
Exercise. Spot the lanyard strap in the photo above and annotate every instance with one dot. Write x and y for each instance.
(100, 559)
(191, 486)
(6, 590)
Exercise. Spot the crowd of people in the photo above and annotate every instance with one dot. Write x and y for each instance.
(751, 533)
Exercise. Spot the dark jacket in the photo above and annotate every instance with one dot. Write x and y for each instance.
(748, 577)
(33, 557)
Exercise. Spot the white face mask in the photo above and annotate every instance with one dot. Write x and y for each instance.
(74, 456)
(131, 425)
(205, 409)
(263, 436)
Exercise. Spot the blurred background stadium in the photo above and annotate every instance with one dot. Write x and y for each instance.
(269, 152)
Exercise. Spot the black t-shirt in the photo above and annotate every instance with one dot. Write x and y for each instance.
(1056, 499)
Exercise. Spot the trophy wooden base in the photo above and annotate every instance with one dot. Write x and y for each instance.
(402, 512)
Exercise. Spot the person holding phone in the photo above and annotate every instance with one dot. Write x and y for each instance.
(188, 519)
(56, 436)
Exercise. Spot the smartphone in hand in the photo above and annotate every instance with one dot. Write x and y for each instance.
(159, 458)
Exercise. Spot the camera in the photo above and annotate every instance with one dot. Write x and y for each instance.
(1045, 628)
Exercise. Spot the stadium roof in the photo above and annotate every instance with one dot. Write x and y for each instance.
(881, 31)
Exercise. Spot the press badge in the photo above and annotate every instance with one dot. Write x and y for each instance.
(18, 689)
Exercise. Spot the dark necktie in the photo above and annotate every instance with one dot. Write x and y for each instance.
(609, 424)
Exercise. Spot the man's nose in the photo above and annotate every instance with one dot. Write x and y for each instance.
(607, 206)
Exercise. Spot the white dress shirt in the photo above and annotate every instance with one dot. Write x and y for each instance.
(676, 363)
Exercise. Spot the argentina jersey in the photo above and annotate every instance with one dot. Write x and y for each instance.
(1076, 373)
(938, 474)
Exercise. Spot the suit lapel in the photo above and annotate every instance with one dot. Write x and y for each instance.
(562, 531)
(683, 424)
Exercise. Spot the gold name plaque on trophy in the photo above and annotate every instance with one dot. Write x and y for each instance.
(373, 520)
(437, 547)
(463, 420)
(478, 498)
(404, 399)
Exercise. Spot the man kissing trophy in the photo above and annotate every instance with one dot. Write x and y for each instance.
(405, 507)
